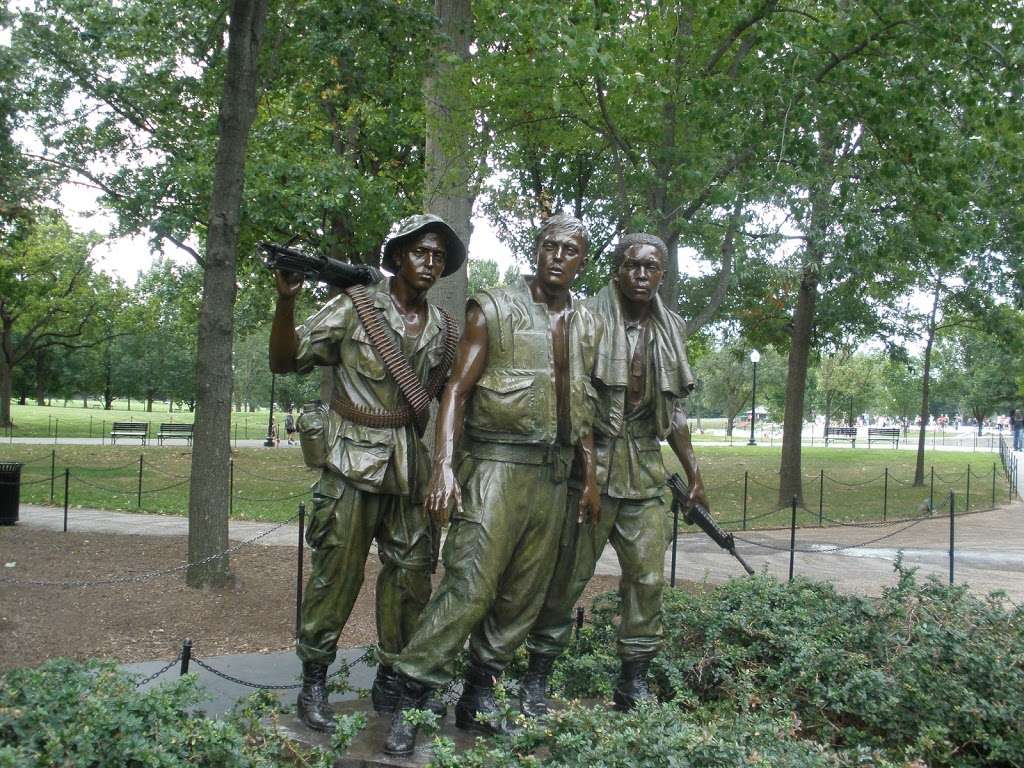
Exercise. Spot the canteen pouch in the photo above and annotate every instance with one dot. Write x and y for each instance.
(312, 425)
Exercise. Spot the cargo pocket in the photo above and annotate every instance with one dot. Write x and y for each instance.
(320, 521)
(363, 462)
(505, 403)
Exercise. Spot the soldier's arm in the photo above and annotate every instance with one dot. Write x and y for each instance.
(679, 439)
(284, 343)
(589, 508)
(469, 366)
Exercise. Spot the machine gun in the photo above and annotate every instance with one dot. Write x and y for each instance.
(697, 514)
(321, 269)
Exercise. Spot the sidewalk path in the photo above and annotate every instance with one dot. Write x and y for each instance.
(989, 547)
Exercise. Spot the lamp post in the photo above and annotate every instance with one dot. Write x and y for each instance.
(269, 442)
(755, 356)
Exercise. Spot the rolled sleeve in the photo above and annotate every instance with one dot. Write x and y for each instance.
(320, 336)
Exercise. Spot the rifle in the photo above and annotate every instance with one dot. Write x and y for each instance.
(697, 514)
(321, 269)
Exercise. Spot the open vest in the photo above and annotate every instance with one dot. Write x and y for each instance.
(514, 401)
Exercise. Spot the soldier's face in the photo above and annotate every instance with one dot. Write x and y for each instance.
(422, 261)
(640, 273)
(560, 257)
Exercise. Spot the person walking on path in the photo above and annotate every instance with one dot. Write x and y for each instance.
(373, 463)
(518, 406)
(1017, 422)
(642, 379)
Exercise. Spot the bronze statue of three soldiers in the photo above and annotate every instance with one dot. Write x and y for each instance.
(547, 447)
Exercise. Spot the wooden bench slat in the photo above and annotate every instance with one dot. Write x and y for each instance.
(139, 429)
(174, 431)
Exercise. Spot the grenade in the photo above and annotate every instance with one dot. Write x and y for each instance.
(312, 427)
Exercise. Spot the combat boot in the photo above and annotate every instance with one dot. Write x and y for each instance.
(476, 710)
(533, 700)
(312, 706)
(401, 740)
(631, 687)
(386, 690)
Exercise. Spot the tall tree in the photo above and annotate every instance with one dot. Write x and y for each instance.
(211, 451)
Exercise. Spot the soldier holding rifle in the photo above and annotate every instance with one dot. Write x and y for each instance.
(389, 352)
(641, 377)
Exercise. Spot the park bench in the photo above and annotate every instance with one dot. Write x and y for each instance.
(139, 429)
(842, 433)
(174, 432)
(884, 435)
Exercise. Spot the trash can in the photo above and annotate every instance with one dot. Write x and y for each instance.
(10, 491)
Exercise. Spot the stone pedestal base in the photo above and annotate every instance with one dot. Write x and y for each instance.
(365, 750)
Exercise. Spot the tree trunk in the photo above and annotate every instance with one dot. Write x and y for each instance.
(208, 488)
(449, 192)
(828, 411)
(919, 467)
(6, 387)
(40, 377)
(728, 427)
(790, 477)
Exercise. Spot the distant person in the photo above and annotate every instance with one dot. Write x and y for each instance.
(1017, 421)
(289, 428)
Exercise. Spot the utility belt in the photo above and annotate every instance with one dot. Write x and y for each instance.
(558, 457)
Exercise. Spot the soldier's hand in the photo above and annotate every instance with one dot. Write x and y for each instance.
(589, 508)
(699, 496)
(443, 491)
(288, 283)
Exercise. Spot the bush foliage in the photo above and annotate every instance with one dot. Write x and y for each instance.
(754, 673)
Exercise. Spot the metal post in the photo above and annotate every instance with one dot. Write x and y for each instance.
(885, 495)
(753, 407)
(90, 426)
(236, 434)
(792, 539)
(675, 542)
(140, 482)
(53, 471)
(993, 485)
(186, 656)
(231, 491)
(298, 571)
(952, 517)
(67, 482)
(579, 622)
(56, 429)
(967, 504)
(269, 442)
(821, 497)
(931, 492)
(746, 474)
(103, 432)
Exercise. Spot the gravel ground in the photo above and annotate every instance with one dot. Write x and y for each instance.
(148, 620)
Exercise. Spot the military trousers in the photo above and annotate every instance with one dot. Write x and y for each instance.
(639, 532)
(340, 533)
(498, 558)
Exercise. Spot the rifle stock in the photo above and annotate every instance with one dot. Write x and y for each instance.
(697, 514)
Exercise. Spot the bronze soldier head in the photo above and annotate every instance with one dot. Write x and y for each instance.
(561, 251)
(408, 234)
(639, 266)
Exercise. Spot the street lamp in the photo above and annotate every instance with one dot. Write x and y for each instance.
(269, 442)
(755, 356)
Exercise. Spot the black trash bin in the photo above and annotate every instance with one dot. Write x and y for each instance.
(10, 491)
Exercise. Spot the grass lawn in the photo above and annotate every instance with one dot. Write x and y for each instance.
(269, 483)
(45, 421)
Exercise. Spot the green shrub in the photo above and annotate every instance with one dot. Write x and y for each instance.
(74, 715)
(927, 672)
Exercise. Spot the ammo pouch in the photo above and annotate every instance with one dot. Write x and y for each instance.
(312, 425)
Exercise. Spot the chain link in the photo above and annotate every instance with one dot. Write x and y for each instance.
(853, 485)
(149, 575)
(159, 672)
(298, 495)
(344, 669)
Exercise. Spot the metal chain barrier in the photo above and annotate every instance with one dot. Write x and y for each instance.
(758, 483)
(298, 495)
(854, 484)
(830, 550)
(344, 669)
(107, 489)
(159, 672)
(148, 576)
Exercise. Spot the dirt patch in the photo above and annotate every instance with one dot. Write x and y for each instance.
(148, 620)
